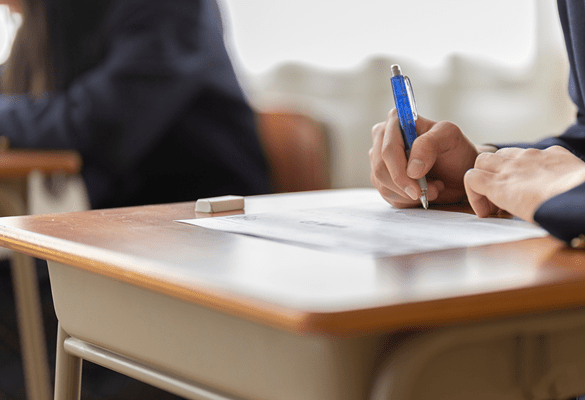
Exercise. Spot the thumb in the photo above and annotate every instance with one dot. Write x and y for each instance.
(434, 139)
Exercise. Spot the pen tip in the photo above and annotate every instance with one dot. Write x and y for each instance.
(424, 200)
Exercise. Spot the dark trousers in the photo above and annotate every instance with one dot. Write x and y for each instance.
(98, 382)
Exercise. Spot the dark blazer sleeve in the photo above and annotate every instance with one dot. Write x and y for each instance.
(159, 56)
(573, 139)
(564, 215)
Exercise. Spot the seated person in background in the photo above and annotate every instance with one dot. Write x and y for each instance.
(145, 92)
(143, 89)
(542, 182)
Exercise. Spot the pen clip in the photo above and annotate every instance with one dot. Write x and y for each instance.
(411, 99)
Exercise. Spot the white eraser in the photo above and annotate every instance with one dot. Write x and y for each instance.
(219, 204)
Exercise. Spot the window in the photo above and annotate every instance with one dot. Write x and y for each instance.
(341, 34)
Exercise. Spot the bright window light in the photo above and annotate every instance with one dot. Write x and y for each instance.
(341, 34)
(9, 23)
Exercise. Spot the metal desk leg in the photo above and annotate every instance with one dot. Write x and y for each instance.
(67, 371)
(86, 351)
(32, 338)
(27, 299)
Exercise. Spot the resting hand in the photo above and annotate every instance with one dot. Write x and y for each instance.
(519, 181)
(441, 152)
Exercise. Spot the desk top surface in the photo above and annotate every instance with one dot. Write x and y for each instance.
(301, 289)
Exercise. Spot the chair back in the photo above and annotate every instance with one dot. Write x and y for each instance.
(298, 151)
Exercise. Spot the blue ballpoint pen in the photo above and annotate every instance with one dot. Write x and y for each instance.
(407, 115)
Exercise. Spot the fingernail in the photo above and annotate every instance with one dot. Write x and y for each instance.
(415, 168)
(411, 192)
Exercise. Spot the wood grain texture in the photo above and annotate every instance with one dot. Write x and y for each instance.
(301, 289)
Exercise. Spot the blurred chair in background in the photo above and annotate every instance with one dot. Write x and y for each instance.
(298, 151)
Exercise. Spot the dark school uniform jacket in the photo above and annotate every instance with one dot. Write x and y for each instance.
(147, 94)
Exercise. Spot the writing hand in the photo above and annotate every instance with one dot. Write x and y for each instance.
(441, 152)
(520, 180)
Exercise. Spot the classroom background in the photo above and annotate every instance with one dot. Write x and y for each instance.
(498, 71)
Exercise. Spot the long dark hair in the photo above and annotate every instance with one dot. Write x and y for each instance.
(27, 68)
(57, 42)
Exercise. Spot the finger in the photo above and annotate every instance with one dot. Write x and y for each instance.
(394, 157)
(557, 149)
(393, 196)
(477, 184)
(510, 152)
(396, 200)
(491, 162)
(376, 129)
(434, 188)
(380, 175)
(379, 172)
(439, 138)
(382, 180)
(423, 125)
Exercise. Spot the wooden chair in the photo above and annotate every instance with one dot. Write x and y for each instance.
(298, 151)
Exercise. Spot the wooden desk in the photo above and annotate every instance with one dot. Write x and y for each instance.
(16, 167)
(212, 315)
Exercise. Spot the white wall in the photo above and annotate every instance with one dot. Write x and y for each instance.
(498, 70)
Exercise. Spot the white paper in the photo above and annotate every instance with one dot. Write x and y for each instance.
(375, 229)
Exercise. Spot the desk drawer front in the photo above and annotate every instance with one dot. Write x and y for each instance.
(213, 349)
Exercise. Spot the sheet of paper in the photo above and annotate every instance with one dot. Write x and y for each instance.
(375, 229)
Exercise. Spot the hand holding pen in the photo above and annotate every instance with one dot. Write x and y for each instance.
(440, 152)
